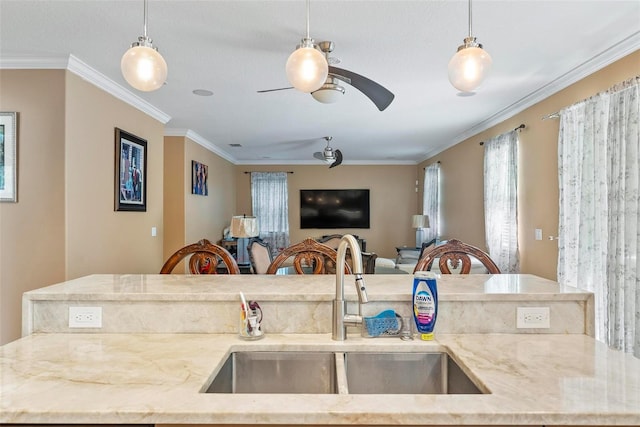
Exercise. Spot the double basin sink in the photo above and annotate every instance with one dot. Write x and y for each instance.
(341, 373)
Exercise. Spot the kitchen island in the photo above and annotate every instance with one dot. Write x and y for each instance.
(142, 374)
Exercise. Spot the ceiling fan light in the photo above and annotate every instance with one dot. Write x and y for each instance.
(143, 67)
(329, 93)
(307, 68)
(468, 67)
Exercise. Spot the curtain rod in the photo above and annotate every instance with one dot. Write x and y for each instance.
(438, 162)
(555, 115)
(522, 126)
(264, 171)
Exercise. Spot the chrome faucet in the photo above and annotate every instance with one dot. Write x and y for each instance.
(341, 319)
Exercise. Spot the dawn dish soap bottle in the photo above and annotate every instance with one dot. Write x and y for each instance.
(425, 303)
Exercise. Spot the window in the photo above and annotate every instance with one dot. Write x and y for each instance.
(501, 200)
(270, 201)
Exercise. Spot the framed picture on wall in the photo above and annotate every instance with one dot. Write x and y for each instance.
(8, 157)
(199, 175)
(130, 172)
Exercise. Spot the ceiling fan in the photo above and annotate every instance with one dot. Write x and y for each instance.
(329, 155)
(331, 90)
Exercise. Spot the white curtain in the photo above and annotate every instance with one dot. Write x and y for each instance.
(599, 177)
(431, 201)
(270, 201)
(501, 200)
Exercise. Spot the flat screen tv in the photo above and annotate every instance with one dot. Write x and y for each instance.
(334, 208)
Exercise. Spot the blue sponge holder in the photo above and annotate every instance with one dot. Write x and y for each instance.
(386, 323)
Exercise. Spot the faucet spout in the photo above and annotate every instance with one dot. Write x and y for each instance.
(342, 319)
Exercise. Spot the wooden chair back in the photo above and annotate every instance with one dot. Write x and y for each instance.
(204, 259)
(259, 256)
(307, 254)
(452, 254)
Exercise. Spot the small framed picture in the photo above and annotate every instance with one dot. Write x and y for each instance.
(130, 172)
(8, 157)
(199, 175)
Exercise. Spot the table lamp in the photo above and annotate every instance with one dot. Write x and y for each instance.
(243, 227)
(420, 223)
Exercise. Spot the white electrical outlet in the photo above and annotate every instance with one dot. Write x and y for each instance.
(85, 317)
(533, 317)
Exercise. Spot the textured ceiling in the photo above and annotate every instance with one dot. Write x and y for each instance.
(235, 48)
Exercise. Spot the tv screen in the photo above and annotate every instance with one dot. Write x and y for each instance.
(334, 208)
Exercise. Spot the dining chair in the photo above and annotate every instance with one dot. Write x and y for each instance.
(368, 258)
(331, 240)
(369, 262)
(205, 258)
(455, 255)
(309, 256)
(259, 256)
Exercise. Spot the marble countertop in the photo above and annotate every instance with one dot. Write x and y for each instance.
(451, 287)
(533, 379)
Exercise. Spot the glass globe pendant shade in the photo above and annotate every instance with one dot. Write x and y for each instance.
(307, 68)
(468, 68)
(143, 68)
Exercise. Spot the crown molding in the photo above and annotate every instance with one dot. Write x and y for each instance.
(84, 71)
(200, 140)
(33, 63)
(76, 66)
(317, 162)
(595, 63)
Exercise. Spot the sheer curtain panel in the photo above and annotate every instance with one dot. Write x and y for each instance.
(501, 200)
(270, 201)
(599, 177)
(431, 201)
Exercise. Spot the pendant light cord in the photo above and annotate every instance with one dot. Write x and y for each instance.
(145, 20)
(308, 6)
(469, 19)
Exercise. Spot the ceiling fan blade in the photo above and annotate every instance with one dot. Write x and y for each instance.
(372, 90)
(319, 155)
(338, 161)
(274, 90)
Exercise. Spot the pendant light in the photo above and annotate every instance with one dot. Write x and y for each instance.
(142, 66)
(307, 68)
(469, 66)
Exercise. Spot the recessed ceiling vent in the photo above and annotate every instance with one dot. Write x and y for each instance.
(235, 145)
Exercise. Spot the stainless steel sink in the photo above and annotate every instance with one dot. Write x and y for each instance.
(337, 372)
(276, 372)
(406, 373)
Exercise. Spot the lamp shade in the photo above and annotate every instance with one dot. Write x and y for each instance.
(328, 95)
(143, 68)
(420, 221)
(468, 68)
(307, 68)
(244, 226)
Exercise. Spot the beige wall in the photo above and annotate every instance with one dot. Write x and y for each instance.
(189, 217)
(208, 216)
(393, 200)
(538, 177)
(64, 225)
(32, 231)
(175, 186)
(100, 240)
